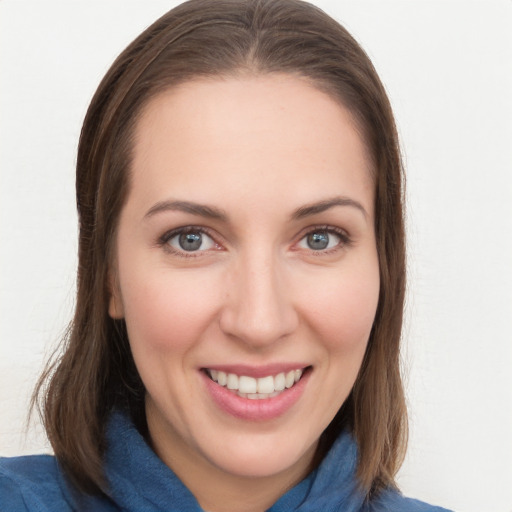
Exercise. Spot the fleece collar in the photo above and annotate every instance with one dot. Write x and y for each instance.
(140, 481)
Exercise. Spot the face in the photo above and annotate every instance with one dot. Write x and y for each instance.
(246, 271)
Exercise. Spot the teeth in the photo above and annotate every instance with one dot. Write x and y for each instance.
(257, 396)
(256, 389)
(279, 382)
(290, 379)
(266, 385)
(232, 381)
(247, 384)
(222, 378)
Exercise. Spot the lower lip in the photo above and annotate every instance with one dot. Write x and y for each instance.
(255, 410)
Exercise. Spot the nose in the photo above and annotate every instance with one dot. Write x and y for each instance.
(258, 309)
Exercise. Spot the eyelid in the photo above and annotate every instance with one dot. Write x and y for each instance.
(163, 240)
(345, 239)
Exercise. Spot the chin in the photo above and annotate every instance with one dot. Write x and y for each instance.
(262, 456)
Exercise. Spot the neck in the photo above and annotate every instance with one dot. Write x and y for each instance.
(221, 494)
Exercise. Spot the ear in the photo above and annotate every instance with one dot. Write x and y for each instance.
(115, 304)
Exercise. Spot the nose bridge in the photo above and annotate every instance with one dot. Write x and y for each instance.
(259, 309)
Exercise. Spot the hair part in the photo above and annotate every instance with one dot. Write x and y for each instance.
(221, 38)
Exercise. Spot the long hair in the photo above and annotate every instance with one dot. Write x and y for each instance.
(218, 38)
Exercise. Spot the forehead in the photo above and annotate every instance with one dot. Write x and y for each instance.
(249, 133)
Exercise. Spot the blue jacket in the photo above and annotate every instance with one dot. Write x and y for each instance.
(141, 482)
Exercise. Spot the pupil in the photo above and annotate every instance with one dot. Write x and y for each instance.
(190, 241)
(318, 241)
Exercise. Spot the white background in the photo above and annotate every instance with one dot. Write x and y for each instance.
(448, 68)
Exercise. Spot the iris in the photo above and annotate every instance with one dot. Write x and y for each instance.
(318, 240)
(190, 241)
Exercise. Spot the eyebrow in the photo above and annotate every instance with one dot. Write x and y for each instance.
(212, 212)
(322, 206)
(188, 207)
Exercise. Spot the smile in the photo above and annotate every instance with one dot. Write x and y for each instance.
(256, 388)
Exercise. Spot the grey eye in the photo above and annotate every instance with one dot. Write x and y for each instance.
(320, 240)
(191, 241)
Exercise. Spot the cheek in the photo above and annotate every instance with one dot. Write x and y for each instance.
(343, 309)
(167, 311)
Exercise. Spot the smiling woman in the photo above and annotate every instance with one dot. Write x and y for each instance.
(241, 278)
(263, 357)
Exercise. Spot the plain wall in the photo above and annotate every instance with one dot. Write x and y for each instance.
(447, 66)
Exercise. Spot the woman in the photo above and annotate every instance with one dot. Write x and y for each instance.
(235, 344)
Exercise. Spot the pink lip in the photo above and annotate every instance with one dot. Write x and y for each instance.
(255, 410)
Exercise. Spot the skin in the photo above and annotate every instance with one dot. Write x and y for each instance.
(260, 149)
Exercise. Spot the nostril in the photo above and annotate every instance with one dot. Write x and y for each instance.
(258, 327)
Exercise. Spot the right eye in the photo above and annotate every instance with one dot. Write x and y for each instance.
(189, 240)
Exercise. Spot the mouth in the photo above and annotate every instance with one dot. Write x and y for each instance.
(253, 388)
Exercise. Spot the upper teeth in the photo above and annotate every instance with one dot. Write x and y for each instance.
(256, 388)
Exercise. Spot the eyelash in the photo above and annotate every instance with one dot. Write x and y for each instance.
(163, 241)
(345, 239)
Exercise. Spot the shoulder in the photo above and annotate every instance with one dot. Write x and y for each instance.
(392, 500)
(31, 483)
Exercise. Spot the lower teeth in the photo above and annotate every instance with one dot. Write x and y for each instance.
(257, 396)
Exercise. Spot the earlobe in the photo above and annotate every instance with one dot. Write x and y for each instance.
(115, 305)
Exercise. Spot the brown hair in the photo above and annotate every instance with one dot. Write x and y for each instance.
(208, 38)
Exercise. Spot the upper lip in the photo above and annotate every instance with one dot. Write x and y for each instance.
(257, 371)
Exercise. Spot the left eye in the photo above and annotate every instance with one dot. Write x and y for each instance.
(320, 240)
(191, 241)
